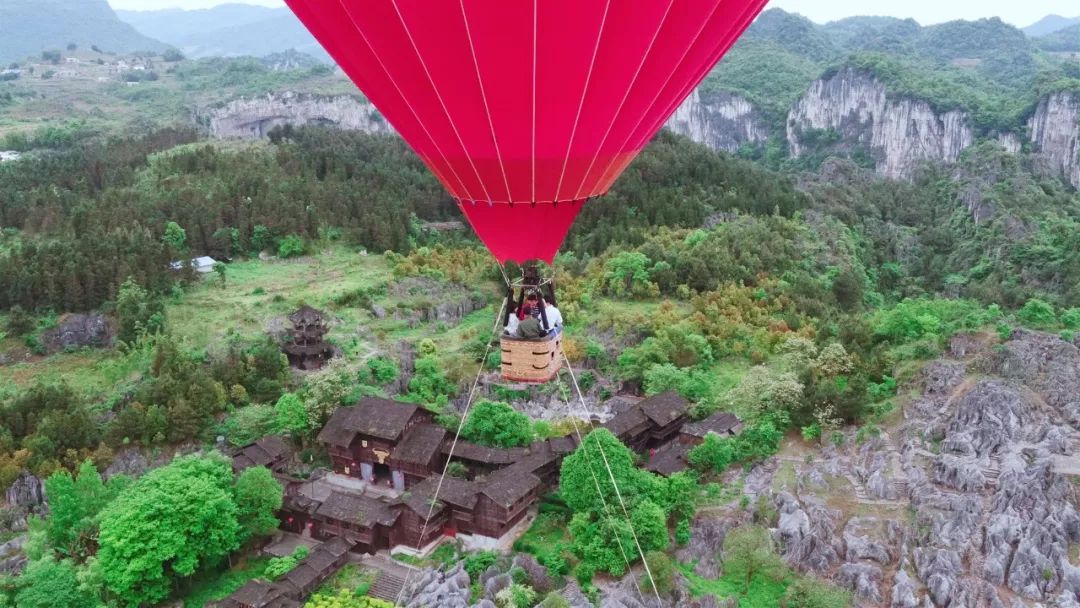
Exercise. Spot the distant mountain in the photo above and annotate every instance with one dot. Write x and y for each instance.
(28, 27)
(1050, 24)
(1066, 40)
(228, 30)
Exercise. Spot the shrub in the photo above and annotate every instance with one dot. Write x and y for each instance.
(291, 246)
(1037, 313)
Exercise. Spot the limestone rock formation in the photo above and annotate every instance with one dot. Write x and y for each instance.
(1055, 134)
(78, 330)
(722, 121)
(898, 133)
(255, 117)
(448, 588)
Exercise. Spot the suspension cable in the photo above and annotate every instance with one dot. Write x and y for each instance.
(614, 484)
(453, 445)
(596, 482)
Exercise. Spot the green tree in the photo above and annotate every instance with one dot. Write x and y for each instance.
(291, 246)
(662, 569)
(1037, 313)
(627, 274)
(138, 312)
(585, 468)
(497, 424)
(749, 553)
(52, 583)
(292, 416)
(220, 270)
(650, 525)
(166, 526)
(74, 505)
(175, 237)
(19, 321)
(258, 497)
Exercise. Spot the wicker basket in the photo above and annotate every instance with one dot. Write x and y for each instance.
(531, 360)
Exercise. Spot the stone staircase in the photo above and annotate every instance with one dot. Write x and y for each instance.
(387, 586)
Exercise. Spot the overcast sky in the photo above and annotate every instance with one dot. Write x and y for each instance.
(925, 12)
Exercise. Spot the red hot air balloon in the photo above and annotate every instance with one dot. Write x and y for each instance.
(525, 109)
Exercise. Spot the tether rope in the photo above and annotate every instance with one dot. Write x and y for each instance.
(607, 465)
(596, 482)
(453, 445)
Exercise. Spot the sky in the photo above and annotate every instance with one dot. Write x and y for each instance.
(925, 12)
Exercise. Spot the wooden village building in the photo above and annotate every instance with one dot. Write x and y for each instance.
(388, 443)
(295, 585)
(307, 348)
(272, 452)
(672, 457)
(650, 422)
(362, 439)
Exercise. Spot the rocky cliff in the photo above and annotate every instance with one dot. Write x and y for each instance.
(1055, 134)
(968, 500)
(253, 118)
(721, 121)
(852, 111)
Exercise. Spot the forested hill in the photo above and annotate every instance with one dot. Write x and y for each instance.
(28, 27)
(890, 94)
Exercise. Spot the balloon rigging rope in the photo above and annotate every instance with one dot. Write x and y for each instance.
(626, 95)
(483, 96)
(438, 95)
(453, 445)
(535, 19)
(614, 484)
(581, 103)
(405, 98)
(408, 104)
(596, 483)
(660, 90)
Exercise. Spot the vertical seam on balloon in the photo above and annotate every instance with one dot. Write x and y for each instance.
(695, 81)
(535, 19)
(438, 96)
(660, 90)
(405, 98)
(581, 104)
(483, 97)
(626, 95)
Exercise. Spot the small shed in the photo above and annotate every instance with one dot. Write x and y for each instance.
(203, 264)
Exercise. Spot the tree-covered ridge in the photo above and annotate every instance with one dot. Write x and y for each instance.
(986, 68)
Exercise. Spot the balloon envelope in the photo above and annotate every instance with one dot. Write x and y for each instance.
(524, 109)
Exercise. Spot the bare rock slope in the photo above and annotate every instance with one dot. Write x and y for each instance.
(969, 502)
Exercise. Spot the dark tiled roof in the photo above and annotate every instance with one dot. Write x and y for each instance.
(373, 416)
(420, 445)
(337, 546)
(507, 486)
(625, 421)
(301, 576)
(340, 430)
(253, 593)
(360, 510)
(478, 453)
(456, 492)
(669, 459)
(563, 445)
(306, 315)
(263, 452)
(665, 408)
(720, 423)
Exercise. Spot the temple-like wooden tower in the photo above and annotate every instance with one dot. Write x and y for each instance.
(308, 349)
